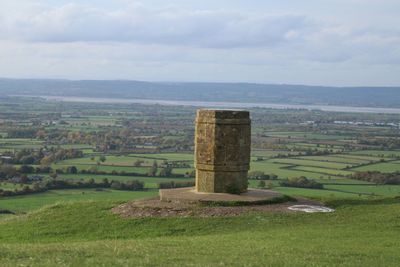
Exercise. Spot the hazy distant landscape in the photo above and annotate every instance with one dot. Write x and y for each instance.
(385, 97)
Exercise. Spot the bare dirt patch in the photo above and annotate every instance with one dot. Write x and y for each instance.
(156, 208)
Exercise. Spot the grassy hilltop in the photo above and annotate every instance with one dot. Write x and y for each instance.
(359, 233)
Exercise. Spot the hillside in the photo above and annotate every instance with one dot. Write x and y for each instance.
(86, 233)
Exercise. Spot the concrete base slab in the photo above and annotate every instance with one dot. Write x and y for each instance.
(191, 195)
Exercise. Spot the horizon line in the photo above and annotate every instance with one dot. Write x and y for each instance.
(196, 82)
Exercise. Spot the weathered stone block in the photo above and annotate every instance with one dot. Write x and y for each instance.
(222, 150)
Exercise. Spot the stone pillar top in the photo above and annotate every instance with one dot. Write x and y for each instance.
(224, 116)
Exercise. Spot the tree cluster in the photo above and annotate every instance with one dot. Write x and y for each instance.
(172, 184)
(301, 182)
(54, 184)
(259, 175)
(42, 156)
(384, 143)
(377, 177)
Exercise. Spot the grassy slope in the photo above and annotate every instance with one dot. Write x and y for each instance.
(87, 233)
(32, 202)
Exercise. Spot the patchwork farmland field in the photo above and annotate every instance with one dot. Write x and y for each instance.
(65, 168)
(377, 153)
(313, 163)
(382, 167)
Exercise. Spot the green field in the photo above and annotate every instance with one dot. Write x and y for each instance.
(305, 135)
(339, 158)
(150, 182)
(104, 167)
(33, 202)
(20, 143)
(11, 186)
(312, 163)
(324, 171)
(167, 156)
(111, 168)
(268, 153)
(362, 157)
(110, 160)
(284, 170)
(317, 194)
(382, 167)
(378, 153)
(86, 233)
(367, 190)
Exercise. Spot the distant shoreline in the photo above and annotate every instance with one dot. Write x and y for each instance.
(209, 104)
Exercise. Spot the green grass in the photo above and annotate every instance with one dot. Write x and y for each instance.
(150, 182)
(377, 190)
(319, 146)
(24, 143)
(325, 194)
(20, 141)
(110, 160)
(310, 146)
(379, 153)
(268, 153)
(35, 201)
(105, 168)
(336, 158)
(11, 186)
(342, 180)
(312, 163)
(363, 158)
(110, 168)
(382, 167)
(338, 189)
(126, 163)
(282, 171)
(182, 170)
(167, 156)
(324, 171)
(304, 135)
(315, 193)
(361, 233)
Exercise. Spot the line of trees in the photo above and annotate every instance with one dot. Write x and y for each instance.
(8, 171)
(301, 182)
(39, 187)
(384, 143)
(260, 175)
(377, 177)
(41, 156)
(172, 184)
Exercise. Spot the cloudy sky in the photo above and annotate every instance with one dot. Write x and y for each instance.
(316, 42)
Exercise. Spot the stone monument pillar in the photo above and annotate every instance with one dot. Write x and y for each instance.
(222, 151)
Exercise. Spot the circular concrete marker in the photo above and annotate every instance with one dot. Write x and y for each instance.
(310, 208)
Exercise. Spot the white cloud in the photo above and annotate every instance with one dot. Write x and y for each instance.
(204, 28)
(138, 40)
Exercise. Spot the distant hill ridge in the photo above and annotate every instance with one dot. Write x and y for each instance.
(388, 97)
